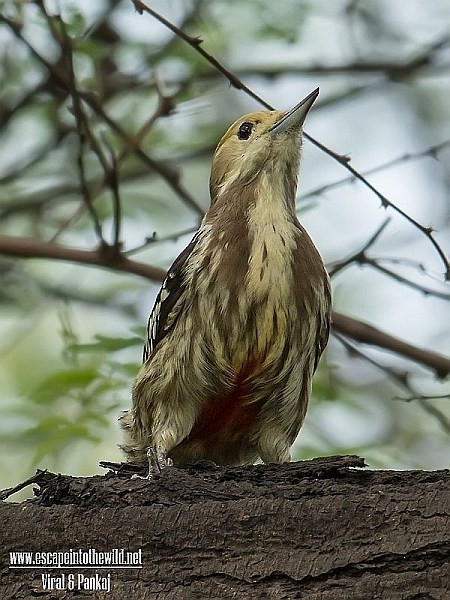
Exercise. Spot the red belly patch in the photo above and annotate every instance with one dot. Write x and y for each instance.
(225, 420)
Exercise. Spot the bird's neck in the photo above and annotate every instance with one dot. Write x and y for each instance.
(254, 230)
(272, 232)
(273, 186)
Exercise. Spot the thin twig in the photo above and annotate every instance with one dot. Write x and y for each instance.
(165, 106)
(110, 170)
(418, 396)
(431, 151)
(85, 191)
(395, 71)
(82, 126)
(367, 260)
(117, 205)
(172, 237)
(170, 175)
(339, 266)
(402, 379)
(360, 257)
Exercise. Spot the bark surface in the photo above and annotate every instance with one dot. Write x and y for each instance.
(322, 529)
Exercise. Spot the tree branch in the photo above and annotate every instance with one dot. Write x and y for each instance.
(361, 258)
(107, 257)
(111, 258)
(367, 334)
(431, 152)
(165, 171)
(401, 378)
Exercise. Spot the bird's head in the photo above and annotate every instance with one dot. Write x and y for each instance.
(257, 141)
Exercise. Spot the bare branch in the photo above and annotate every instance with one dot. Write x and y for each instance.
(84, 130)
(117, 205)
(172, 237)
(374, 263)
(110, 257)
(339, 266)
(195, 42)
(82, 126)
(165, 107)
(170, 175)
(361, 258)
(106, 256)
(367, 334)
(402, 379)
(418, 396)
(431, 151)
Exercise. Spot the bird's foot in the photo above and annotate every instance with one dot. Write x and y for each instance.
(157, 461)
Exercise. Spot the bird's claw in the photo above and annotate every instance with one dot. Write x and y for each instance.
(157, 461)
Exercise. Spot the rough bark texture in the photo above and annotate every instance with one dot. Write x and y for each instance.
(322, 529)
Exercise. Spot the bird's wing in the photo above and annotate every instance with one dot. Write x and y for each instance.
(322, 340)
(169, 302)
(324, 324)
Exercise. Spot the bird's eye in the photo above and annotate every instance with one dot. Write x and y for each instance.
(245, 131)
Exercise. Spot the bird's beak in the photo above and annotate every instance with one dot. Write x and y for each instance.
(295, 117)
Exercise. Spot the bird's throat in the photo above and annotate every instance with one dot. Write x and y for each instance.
(272, 231)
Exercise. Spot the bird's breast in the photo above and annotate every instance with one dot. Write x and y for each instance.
(246, 289)
(272, 237)
(254, 272)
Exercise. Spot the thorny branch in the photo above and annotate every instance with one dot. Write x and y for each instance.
(360, 257)
(431, 151)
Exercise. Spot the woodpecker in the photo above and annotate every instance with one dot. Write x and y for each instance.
(242, 317)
